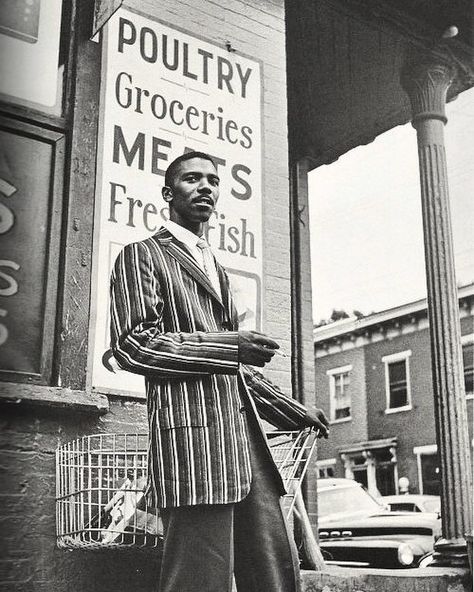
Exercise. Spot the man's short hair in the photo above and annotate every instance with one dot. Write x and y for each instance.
(173, 166)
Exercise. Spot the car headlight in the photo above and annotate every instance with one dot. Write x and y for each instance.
(405, 554)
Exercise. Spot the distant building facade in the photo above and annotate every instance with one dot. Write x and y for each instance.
(373, 379)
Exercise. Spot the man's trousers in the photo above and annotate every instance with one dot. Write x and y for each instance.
(205, 545)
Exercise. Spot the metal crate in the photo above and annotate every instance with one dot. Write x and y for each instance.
(100, 482)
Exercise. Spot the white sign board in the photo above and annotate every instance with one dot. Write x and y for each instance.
(165, 92)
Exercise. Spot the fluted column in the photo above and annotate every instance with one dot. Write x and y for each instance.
(426, 80)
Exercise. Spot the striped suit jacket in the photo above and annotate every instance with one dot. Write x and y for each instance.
(168, 324)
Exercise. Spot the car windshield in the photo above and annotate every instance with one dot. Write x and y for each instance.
(345, 500)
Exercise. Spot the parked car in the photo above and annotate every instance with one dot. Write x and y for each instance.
(412, 502)
(356, 530)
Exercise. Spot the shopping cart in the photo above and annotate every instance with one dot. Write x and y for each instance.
(100, 481)
(292, 452)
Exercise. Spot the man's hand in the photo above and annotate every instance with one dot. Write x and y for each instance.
(318, 420)
(256, 348)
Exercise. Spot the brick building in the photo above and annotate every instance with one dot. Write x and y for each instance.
(95, 97)
(374, 376)
(93, 159)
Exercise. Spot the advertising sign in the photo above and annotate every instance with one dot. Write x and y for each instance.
(166, 92)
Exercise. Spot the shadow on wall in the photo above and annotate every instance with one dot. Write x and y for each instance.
(105, 571)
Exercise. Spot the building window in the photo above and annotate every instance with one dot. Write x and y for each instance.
(468, 363)
(397, 381)
(34, 38)
(326, 468)
(340, 393)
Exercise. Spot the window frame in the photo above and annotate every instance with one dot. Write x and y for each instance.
(419, 451)
(324, 465)
(52, 241)
(332, 373)
(393, 358)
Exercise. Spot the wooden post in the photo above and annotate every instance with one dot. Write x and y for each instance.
(72, 347)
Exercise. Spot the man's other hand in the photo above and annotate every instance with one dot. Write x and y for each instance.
(318, 420)
(256, 348)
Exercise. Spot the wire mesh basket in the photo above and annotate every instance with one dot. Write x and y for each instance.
(292, 452)
(100, 483)
(100, 499)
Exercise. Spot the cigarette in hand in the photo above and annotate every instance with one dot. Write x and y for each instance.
(281, 353)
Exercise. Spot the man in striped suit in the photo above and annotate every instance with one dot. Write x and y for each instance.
(210, 469)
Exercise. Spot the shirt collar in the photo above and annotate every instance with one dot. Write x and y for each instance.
(182, 234)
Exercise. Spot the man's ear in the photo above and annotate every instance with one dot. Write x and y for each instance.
(167, 193)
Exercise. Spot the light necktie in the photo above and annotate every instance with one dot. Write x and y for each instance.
(209, 264)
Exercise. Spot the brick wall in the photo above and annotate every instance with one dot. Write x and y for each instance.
(400, 424)
(341, 433)
(346, 432)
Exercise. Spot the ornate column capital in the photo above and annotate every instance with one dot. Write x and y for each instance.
(426, 79)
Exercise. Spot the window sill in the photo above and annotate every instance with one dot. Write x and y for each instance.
(398, 409)
(342, 420)
(25, 396)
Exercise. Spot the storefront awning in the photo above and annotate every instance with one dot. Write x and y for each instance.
(344, 64)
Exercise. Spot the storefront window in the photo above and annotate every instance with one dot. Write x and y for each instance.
(32, 54)
(30, 210)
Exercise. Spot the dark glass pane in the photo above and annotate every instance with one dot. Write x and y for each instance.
(398, 398)
(397, 371)
(398, 384)
(360, 475)
(430, 474)
(468, 362)
(384, 475)
(344, 412)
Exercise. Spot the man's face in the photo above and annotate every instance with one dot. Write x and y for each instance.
(194, 193)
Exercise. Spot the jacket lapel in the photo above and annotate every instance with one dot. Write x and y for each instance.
(227, 297)
(177, 250)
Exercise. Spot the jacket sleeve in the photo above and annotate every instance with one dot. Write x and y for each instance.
(272, 404)
(138, 339)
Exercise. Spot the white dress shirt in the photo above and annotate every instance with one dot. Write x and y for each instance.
(190, 240)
